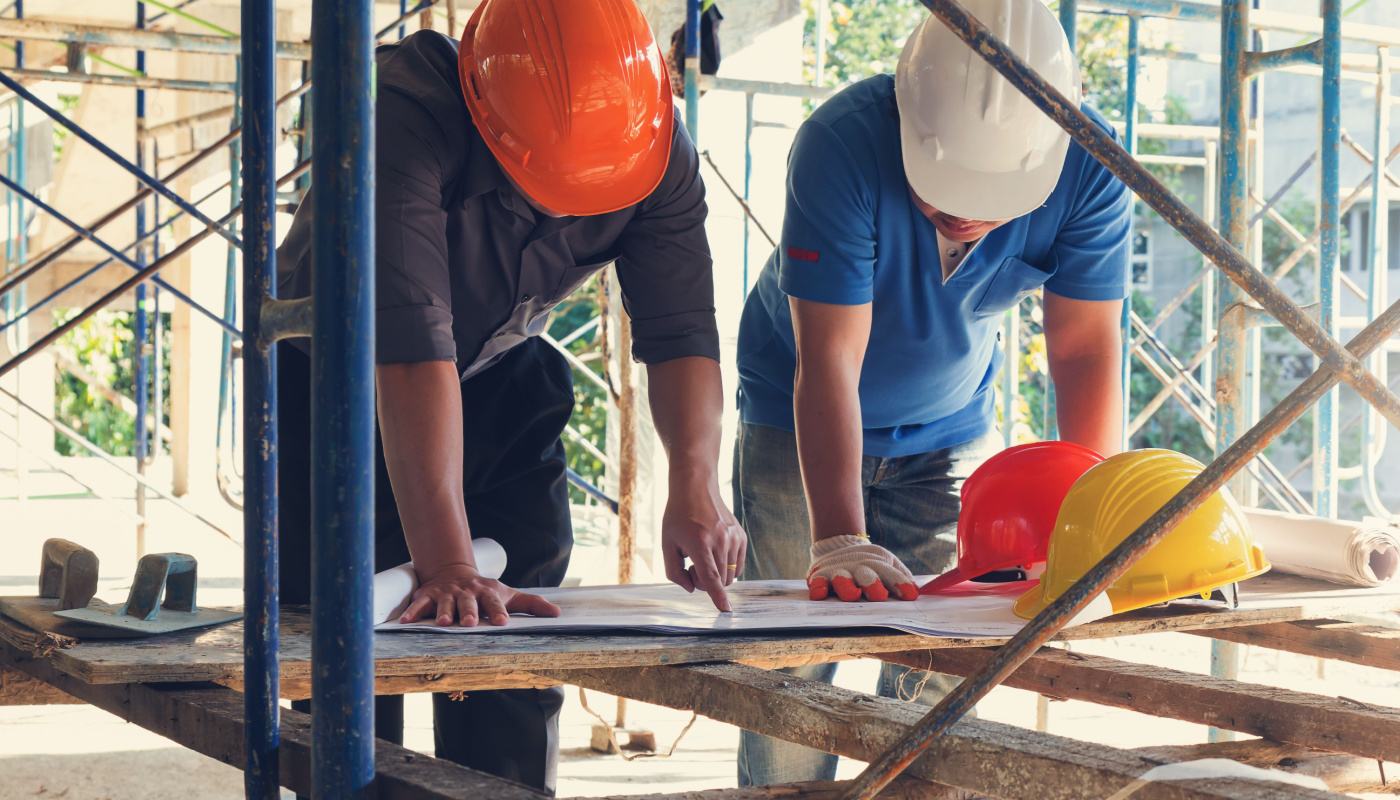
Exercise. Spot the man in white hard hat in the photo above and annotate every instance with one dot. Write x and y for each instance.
(920, 207)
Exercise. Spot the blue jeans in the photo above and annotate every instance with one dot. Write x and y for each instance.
(911, 509)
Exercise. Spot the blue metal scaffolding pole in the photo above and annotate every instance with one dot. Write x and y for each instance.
(692, 70)
(260, 576)
(139, 348)
(227, 396)
(1069, 13)
(1329, 218)
(342, 400)
(1231, 364)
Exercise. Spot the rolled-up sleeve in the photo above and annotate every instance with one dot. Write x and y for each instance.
(413, 292)
(664, 265)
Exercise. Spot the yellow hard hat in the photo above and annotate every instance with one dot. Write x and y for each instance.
(1212, 547)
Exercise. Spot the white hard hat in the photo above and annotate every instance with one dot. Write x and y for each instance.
(974, 146)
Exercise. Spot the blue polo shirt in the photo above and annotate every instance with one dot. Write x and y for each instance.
(852, 235)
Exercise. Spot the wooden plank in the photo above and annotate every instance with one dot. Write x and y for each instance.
(300, 688)
(18, 689)
(216, 654)
(1340, 771)
(208, 719)
(1283, 715)
(977, 755)
(37, 643)
(36, 613)
(1369, 645)
(903, 788)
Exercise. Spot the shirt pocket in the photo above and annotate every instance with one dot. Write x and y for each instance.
(1015, 281)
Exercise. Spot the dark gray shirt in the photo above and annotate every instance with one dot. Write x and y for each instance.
(466, 269)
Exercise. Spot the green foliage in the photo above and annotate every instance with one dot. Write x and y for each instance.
(103, 345)
(863, 37)
(66, 104)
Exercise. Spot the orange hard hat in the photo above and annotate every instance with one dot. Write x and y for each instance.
(572, 98)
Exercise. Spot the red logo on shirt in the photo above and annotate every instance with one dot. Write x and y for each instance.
(801, 255)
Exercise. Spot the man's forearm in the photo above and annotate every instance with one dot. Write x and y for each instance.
(1089, 400)
(830, 444)
(420, 422)
(687, 403)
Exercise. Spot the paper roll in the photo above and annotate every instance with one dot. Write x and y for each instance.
(1342, 551)
(490, 558)
(394, 587)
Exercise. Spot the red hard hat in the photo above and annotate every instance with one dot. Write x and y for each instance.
(571, 97)
(1009, 506)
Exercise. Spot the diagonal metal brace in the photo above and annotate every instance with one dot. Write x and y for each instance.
(97, 144)
(1117, 160)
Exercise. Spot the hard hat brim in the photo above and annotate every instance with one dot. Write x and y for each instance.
(1032, 602)
(975, 195)
(946, 581)
(582, 199)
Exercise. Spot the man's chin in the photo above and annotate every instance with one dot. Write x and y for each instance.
(964, 234)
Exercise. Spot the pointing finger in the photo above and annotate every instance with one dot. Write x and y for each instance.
(708, 578)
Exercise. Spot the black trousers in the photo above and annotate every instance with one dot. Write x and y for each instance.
(516, 492)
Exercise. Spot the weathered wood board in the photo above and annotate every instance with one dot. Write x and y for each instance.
(1283, 715)
(18, 689)
(216, 655)
(981, 756)
(37, 613)
(209, 719)
(1370, 645)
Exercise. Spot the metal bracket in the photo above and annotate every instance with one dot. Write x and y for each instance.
(76, 58)
(67, 571)
(170, 574)
(1257, 317)
(161, 600)
(283, 319)
(1263, 61)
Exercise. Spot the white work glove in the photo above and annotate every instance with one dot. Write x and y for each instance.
(852, 565)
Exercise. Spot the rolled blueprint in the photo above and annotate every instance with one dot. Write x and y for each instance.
(1341, 551)
(394, 587)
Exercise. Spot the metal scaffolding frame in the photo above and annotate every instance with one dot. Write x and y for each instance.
(344, 34)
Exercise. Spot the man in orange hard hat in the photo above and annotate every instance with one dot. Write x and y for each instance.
(509, 170)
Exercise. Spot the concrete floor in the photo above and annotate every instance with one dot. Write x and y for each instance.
(80, 753)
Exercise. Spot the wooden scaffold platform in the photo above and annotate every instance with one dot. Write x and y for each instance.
(185, 686)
